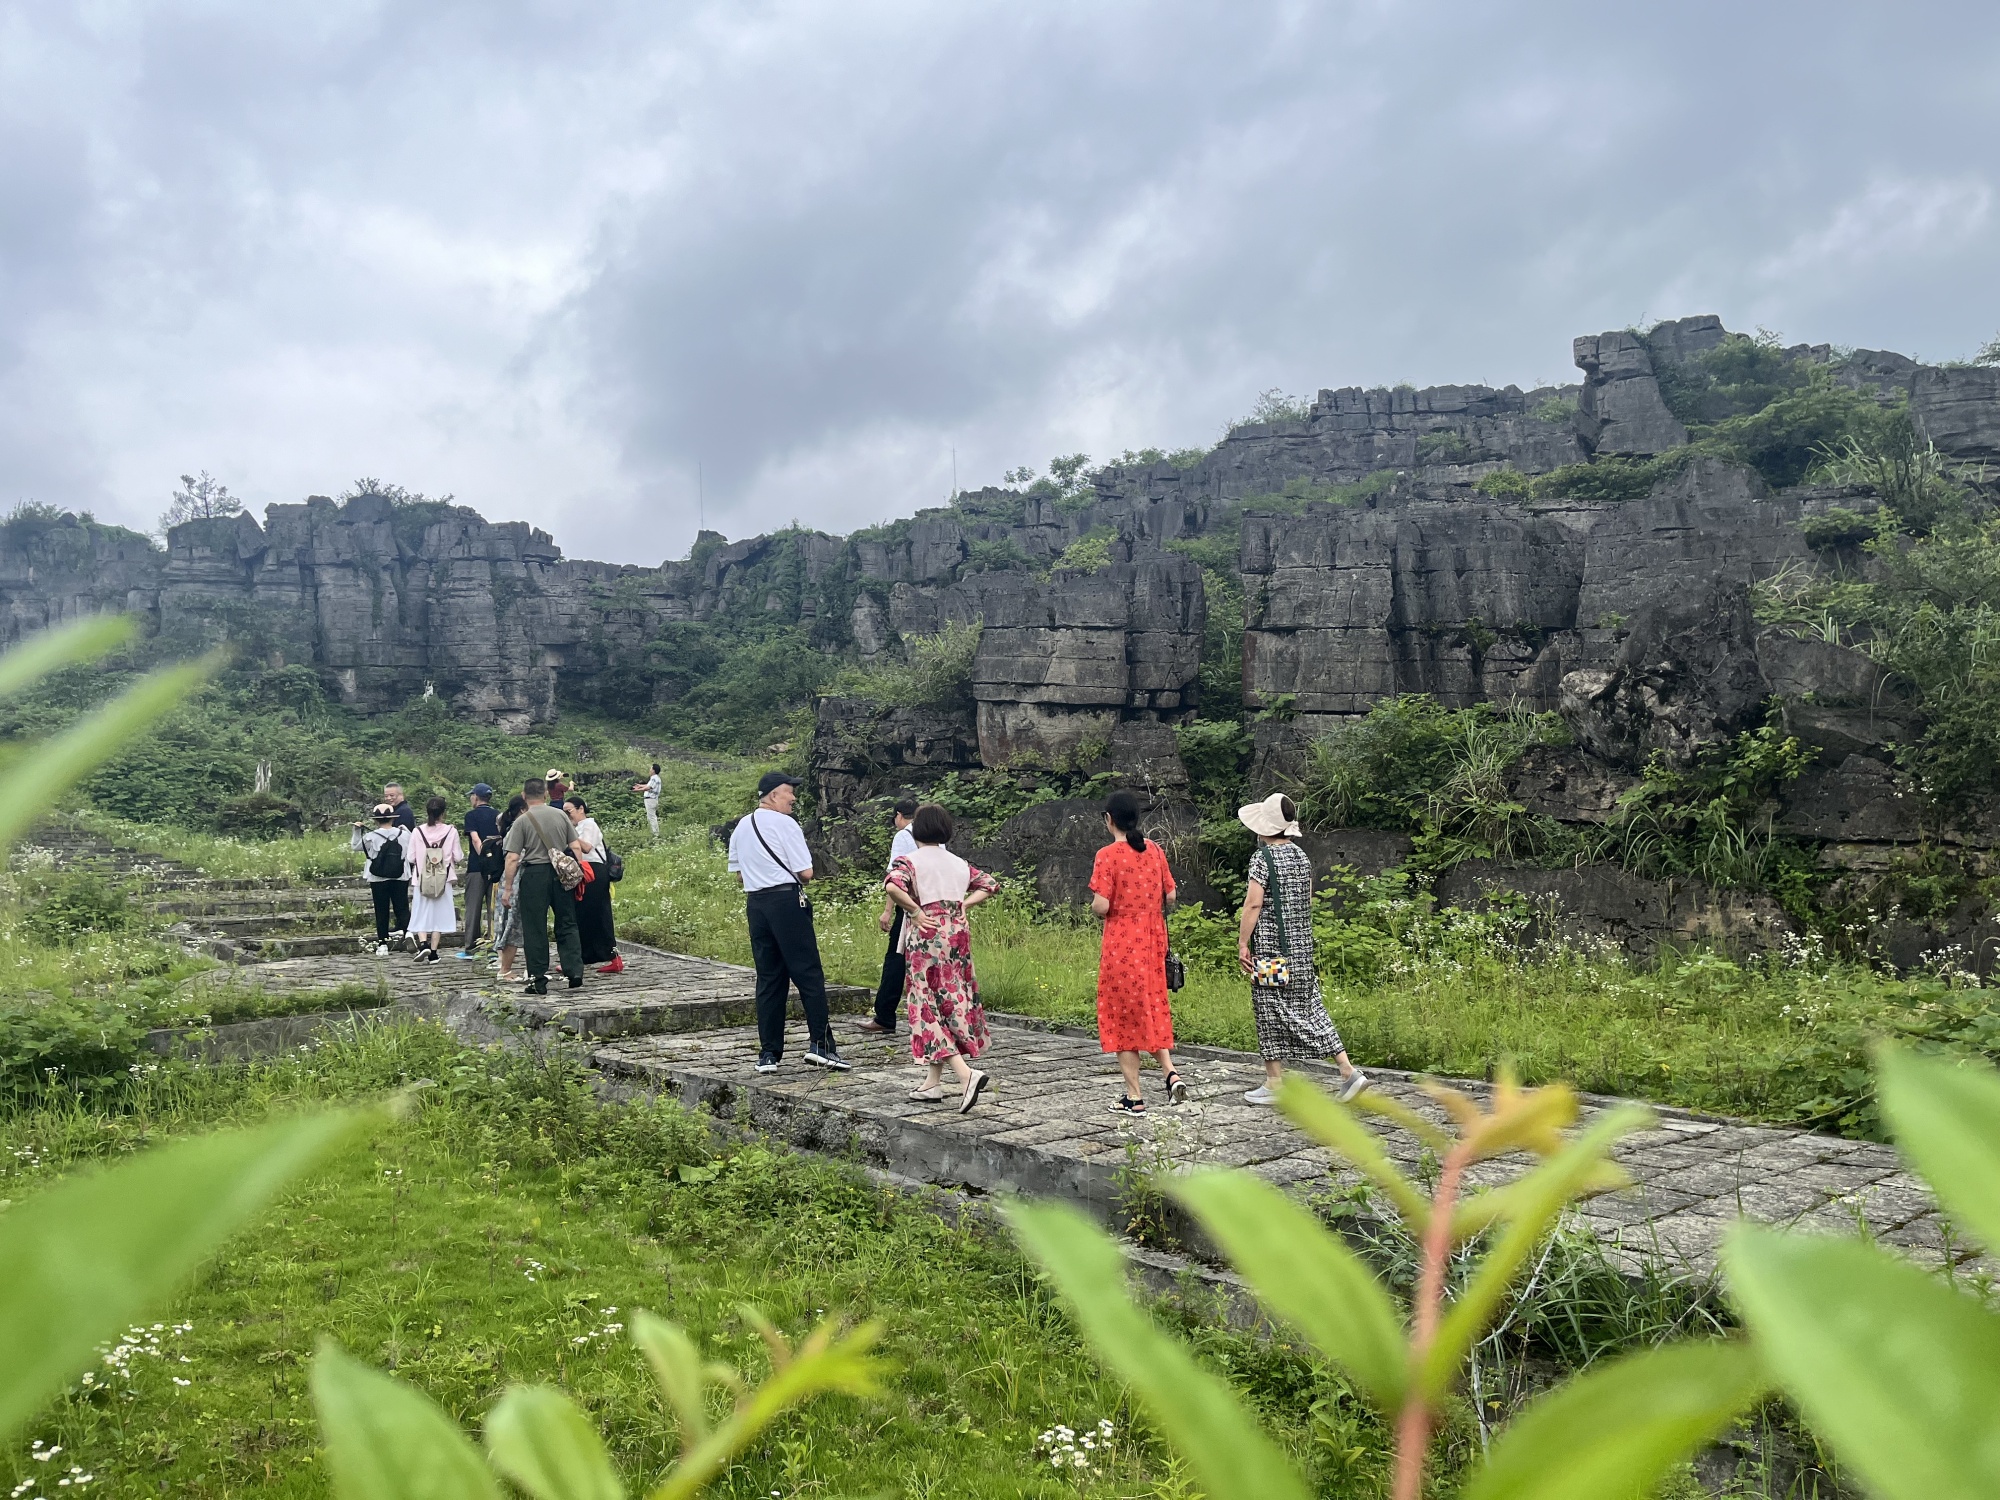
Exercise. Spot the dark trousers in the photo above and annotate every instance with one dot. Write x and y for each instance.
(392, 907)
(594, 927)
(786, 952)
(478, 885)
(889, 993)
(541, 897)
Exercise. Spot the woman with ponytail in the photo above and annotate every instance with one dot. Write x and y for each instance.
(1131, 887)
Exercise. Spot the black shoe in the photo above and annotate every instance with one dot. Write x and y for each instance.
(767, 1062)
(576, 983)
(535, 987)
(826, 1055)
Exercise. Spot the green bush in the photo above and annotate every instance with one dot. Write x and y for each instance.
(1505, 484)
(62, 1044)
(69, 904)
(260, 816)
(1838, 527)
(1611, 478)
(938, 673)
(1088, 552)
(1443, 448)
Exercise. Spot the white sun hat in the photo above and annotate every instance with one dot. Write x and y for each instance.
(1268, 817)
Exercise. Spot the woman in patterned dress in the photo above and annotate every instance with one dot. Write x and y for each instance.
(935, 889)
(1292, 1023)
(1131, 887)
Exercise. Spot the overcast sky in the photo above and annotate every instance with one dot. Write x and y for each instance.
(558, 258)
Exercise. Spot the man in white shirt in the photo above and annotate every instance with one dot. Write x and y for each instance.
(768, 852)
(889, 993)
(651, 787)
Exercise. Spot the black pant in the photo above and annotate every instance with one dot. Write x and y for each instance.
(889, 993)
(541, 896)
(594, 928)
(392, 900)
(786, 952)
(478, 886)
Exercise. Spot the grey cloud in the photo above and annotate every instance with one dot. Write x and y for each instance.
(552, 257)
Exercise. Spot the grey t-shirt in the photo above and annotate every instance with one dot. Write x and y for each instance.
(554, 828)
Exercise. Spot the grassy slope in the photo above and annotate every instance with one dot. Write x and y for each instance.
(499, 1233)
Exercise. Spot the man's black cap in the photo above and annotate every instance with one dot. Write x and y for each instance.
(770, 781)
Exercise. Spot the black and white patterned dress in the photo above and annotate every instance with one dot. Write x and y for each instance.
(1292, 1023)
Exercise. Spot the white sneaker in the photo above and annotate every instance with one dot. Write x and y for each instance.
(381, 950)
(1260, 1095)
(1356, 1082)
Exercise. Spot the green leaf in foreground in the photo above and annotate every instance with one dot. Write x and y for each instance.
(1945, 1116)
(85, 1259)
(1896, 1371)
(389, 1441)
(1199, 1414)
(1305, 1275)
(1610, 1433)
(542, 1440)
(63, 646)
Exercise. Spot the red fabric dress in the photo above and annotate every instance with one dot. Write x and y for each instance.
(1132, 1011)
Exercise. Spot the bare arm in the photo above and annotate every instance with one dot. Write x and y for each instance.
(1100, 906)
(1253, 907)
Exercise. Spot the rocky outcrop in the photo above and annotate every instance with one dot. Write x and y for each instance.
(1620, 409)
(1612, 906)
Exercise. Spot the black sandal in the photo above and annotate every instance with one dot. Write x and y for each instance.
(1176, 1091)
(1126, 1104)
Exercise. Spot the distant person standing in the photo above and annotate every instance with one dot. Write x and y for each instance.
(384, 850)
(558, 785)
(406, 815)
(537, 835)
(596, 931)
(483, 862)
(651, 787)
(434, 856)
(1131, 887)
(889, 993)
(1292, 1023)
(768, 852)
(935, 888)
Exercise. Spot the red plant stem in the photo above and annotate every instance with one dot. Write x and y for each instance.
(1413, 1423)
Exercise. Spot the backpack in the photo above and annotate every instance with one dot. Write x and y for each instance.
(386, 863)
(435, 873)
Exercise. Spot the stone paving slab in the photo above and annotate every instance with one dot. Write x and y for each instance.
(1047, 1127)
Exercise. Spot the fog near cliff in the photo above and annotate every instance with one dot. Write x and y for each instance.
(551, 258)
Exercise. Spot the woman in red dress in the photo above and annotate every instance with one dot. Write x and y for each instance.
(1131, 887)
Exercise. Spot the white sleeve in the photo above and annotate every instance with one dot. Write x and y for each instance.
(797, 855)
(735, 865)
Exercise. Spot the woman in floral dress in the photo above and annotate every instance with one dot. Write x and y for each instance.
(1292, 1023)
(935, 889)
(1131, 887)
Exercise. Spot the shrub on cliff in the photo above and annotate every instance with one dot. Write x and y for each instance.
(936, 674)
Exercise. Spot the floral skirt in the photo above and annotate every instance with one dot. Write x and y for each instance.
(940, 992)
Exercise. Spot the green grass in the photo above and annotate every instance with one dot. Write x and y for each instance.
(1773, 1041)
(502, 1231)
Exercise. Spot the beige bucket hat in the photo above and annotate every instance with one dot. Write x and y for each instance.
(1268, 817)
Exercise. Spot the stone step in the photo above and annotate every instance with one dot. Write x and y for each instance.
(276, 923)
(1047, 1127)
(664, 992)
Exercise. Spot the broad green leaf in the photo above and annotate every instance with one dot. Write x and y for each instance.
(1946, 1119)
(1896, 1371)
(1610, 1433)
(1195, 1412)
(542, 1440)
(1538, 1200)
(822, 1363)
(389, 1441)
(64, 646)
(81, 1261)
(1303, 1273)
(679, 1369)
(58, 764)
(1335, 1127)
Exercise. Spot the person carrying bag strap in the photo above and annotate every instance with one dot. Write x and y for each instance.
(546, 873)
(774, 869)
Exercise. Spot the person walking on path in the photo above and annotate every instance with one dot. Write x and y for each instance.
(434, 859)
(595, 930)
(506, 903)
(406, 815)
(1131, 887)
(651, 787)
(934, 889)
(768, 852)
(538, 833)
(384, 850)
(1292, 1023)
(889, 993)
(482, 864)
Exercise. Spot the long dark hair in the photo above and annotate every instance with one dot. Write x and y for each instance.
(515, 807)
(1123, 810)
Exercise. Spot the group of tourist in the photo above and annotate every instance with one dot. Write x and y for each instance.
(928, 976)
(541, 860)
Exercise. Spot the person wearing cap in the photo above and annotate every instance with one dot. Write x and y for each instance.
(1292, 1023)
(483, 863)
(389, 892)
(767, 851)
(889, 993)
(538, 894)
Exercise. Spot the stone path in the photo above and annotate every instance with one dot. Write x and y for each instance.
(678, 1025)
(1046, 1127)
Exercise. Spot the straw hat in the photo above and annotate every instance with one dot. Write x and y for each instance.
(552, 774)
(1268, 817)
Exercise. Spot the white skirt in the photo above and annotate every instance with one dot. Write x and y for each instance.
(433, 913)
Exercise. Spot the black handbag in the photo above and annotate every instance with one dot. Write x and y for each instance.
(1176, 971)
(614, 865)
